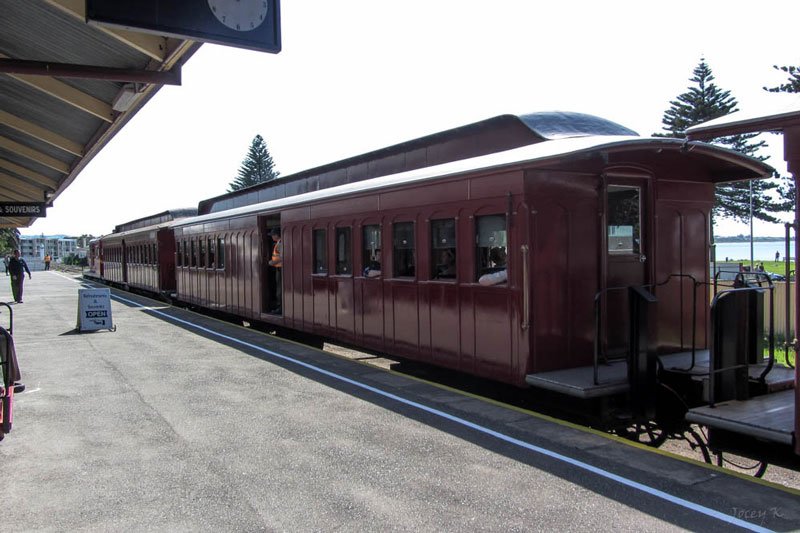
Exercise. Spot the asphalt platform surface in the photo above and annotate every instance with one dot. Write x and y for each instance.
(179, 422)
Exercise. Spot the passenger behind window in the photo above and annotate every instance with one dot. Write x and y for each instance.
(373, 268)
(496, 272)
(446, 267)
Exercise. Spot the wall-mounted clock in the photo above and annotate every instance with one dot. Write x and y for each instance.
(240, 15)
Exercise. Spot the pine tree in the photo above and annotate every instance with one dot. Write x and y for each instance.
(257, 166)
(705, 101)
(792, 85)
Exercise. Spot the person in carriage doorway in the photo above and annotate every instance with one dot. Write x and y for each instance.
(17, 268)
(276, 262)
(47, 259)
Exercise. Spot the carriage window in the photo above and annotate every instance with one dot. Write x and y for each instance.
(623, 220)
(211, 256)
(490, 252)
(344, 260)
(194, 254)
(371, 258)
(221, 253)
(201, 259)
(443, 249)
(155, 254)
(320, 252)
(403, 249)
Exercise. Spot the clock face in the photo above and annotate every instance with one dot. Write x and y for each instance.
(239, 15)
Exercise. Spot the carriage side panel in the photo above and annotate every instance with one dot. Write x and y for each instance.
(564, 268)
(682, 232)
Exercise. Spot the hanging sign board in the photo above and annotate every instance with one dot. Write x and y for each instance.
(94, 310)
(23, 209)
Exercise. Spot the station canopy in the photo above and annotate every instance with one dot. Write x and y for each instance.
(66, 88)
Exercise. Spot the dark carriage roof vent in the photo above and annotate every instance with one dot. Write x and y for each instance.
(553, 125)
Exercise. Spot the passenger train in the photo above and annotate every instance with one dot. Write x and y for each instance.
(558, 252)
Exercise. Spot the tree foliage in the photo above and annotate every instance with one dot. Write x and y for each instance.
(9, 241)
(257, 167)
(792, 85)
(704, 101)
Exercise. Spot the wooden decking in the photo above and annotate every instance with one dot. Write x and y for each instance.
(769, 417)
(613, 377)
(579, 382)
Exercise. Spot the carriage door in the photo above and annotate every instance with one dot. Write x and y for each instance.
(626, 257)
(124, 262)
(271, 277)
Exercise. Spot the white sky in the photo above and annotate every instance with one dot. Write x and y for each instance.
(359, 75)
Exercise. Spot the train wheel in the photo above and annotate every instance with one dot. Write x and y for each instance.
(760, 468)
(648, 433)
(696, 442)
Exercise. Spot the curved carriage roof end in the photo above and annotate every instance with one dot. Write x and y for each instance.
(748, 168)
(552, 125)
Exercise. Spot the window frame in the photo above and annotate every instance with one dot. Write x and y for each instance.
(434, 265)
(319, 268)
(367, 253)
(479, 269)
(343, 268)
(396, 256)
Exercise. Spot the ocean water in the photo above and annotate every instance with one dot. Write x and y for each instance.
(762, 251)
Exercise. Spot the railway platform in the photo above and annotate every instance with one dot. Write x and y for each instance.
(178, 421)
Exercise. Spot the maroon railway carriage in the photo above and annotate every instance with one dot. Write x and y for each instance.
(139, 254)
(565, 219)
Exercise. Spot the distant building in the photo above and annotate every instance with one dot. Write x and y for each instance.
(34, 247)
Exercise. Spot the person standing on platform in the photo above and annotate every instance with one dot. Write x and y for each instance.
(276, 262)
(17, 268)
(47, 262)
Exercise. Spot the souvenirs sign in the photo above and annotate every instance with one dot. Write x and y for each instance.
(23, 209)
(94, 310)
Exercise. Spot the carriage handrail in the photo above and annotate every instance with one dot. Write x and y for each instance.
(598, 325)
(526, 288)
(597, 330)
(788, 306)
(694, 313)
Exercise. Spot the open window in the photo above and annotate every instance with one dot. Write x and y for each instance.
(443, 249)
(403, 250)
(371, 253)
(491, 249)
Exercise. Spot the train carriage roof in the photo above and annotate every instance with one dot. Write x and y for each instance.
(720, 163)
(149, 223)
(158, 218)
(495, 134)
